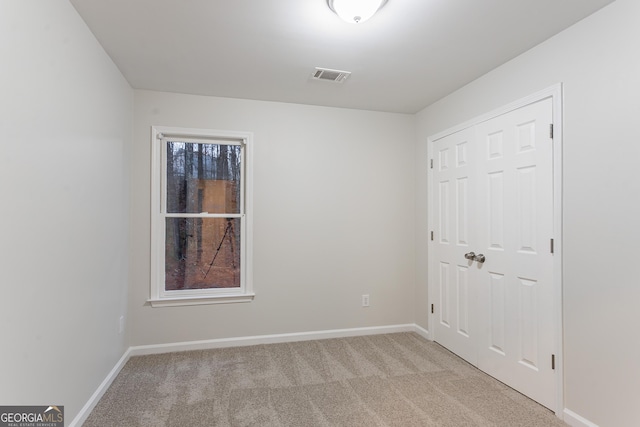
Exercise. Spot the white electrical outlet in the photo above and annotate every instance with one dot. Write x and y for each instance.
(121, 327)
(365, 300)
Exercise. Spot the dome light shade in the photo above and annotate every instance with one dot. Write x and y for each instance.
(355, 11)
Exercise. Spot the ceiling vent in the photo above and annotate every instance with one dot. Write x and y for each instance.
(330, 75)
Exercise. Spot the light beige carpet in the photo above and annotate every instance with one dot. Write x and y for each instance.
(382, 380)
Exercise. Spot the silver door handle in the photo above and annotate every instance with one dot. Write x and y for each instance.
(480, 258)
(470, 256)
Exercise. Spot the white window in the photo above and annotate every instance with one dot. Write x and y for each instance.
(200, 217)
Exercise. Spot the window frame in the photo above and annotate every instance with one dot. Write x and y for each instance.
(159, 296)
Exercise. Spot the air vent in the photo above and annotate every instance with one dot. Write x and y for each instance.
(330, 75)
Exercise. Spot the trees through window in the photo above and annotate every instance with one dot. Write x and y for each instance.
(200, 229)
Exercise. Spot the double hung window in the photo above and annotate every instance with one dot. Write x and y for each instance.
(200, 219)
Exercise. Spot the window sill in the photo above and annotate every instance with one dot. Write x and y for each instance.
(201, 300)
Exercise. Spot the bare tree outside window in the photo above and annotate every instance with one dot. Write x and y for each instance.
(202, 252)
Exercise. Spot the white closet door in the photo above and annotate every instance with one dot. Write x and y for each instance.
(454, 204)
(514, 219)
(493, 197)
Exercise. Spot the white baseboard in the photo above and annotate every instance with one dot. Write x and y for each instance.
(233, 342)
(422, 332)
(575, 420)
(102, 388)
(267, 339)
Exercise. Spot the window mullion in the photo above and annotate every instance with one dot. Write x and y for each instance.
(203, 215)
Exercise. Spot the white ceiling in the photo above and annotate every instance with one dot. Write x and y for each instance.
(412, 53)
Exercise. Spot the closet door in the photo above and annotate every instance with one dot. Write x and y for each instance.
(491, 256)
(514, 219)
(454, 184)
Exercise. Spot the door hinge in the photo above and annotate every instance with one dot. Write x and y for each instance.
(551, 246)
(551, 131)
(432, 309)
(553, 361)
(431, 163)
(432, 236)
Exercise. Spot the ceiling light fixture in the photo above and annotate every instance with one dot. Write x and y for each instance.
(355, 11)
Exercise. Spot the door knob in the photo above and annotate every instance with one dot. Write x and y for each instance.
(480, 258)
(470, 256)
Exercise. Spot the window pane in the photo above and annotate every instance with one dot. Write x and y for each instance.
(202, 253)
(203, 177)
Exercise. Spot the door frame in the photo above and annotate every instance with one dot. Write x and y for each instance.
(554, 92)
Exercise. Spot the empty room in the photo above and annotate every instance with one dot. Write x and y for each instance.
(319, 212)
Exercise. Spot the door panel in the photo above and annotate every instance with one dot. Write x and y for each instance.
(497, 309)
(462, 308)
(514, 218)
(453, 175)
(494, 185)
(462, 211)
(495, 206)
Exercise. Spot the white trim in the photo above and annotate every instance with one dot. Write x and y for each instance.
(550, 92)
(100, 391)
(201, 300)
(576, 420)
(557, 97)
(267, 339)
(200, 139)
(232, 342)
(422, 332)
(554, 92)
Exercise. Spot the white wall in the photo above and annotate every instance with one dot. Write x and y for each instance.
(598, 60)
(66, 126)
(334, 218)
